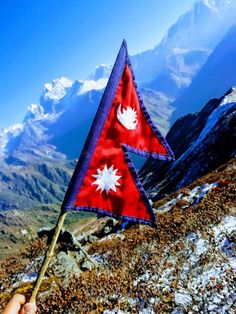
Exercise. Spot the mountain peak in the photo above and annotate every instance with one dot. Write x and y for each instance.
(229, 98)
(96, 80)
(35, 111)
(89, 85)
(102, 71)
(217, 4)
(219, 72)
(211, 4)
(57, 89)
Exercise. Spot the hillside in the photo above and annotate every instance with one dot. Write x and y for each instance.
(186, 265)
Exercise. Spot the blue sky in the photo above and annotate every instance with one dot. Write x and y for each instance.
(45, 39)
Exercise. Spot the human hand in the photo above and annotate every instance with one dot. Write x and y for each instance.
(17, 305)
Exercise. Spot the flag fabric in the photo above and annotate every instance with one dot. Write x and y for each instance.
(105, 180)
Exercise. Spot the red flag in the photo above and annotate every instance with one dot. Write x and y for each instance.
(105, 180)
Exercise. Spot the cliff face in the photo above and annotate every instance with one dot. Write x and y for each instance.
(201, 142)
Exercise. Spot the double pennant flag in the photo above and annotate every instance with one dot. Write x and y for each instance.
(105, 180)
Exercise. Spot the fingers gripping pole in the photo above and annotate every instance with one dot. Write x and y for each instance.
(49, 253)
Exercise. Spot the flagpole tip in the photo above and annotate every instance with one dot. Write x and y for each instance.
(124, 43)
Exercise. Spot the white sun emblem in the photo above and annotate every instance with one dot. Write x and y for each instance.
(127, 117)
(106, 179)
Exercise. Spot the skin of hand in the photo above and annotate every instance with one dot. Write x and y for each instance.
(17, 305)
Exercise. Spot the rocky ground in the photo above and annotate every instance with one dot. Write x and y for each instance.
(187, 265)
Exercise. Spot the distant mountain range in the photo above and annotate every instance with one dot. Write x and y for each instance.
(190, 65)
(172, 64)
(216, 76)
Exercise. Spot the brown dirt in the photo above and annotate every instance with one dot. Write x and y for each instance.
(112, 284)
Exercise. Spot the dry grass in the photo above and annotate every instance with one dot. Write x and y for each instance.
(127, 258)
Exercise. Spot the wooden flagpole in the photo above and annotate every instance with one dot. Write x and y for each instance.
(48, 255)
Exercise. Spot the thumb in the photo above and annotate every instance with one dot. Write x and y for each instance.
(28, 308)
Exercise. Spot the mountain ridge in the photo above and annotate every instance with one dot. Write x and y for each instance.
(54, 130)
(220, 64)
(185, 265)
(195, 140)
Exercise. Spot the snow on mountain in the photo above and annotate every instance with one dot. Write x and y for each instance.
(58, 95)
(64, 100)
(57, 89)
(203, 26)
(219, 5)
(165, 72)
(65, 110)
(89, 85)
(97, 80)
(8, 134)
(35, 112)
(102, 71)
(61, 93)
(228, 102)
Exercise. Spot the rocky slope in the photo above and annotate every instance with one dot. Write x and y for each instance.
(187, 265)
(196, 140)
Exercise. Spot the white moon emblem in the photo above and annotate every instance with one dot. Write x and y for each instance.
(127, 117)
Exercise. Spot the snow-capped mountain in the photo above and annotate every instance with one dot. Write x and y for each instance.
(54, 130)
(65, 111)
(56, 90)
(102, 71)
(34, 169)
(66, 108)
(216, 76)
(197, 141)
(35, 154)
(60, 100)
(58, 95)
(172, 64)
